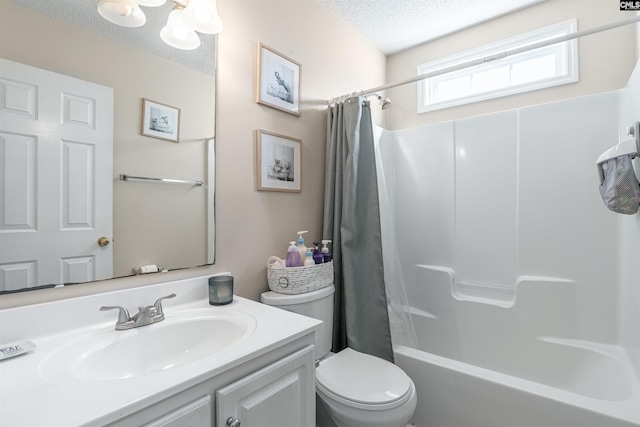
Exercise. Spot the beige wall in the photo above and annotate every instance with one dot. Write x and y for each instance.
(251, 225)
(606, 59)
(254, 225)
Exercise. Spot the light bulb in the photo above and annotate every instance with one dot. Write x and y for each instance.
(202, 16)
(177, 34)
(180, 33)
(123, 10)
(126, 13)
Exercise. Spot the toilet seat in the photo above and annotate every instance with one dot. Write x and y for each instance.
(363, 381)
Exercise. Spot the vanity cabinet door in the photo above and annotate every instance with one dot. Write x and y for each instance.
(281, 394)
(195, 414)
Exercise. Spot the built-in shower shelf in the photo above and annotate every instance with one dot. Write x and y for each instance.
(488, 293)
(501, 295)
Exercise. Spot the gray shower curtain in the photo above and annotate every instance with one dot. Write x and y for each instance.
(352, 222)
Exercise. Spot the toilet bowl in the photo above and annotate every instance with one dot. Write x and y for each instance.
(353, 389)
(359, 390)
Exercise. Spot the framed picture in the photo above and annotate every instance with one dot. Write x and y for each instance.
(278, 81)
(160, 121)
(278, 162)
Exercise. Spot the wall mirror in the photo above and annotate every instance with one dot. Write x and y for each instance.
(50, 195)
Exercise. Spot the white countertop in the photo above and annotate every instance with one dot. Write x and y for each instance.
(28, 398)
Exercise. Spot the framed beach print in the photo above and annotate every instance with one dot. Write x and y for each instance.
(278, 162)
(160, 121)
(278, 81)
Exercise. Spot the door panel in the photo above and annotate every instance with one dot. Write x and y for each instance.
(18, 155)
(78, 171)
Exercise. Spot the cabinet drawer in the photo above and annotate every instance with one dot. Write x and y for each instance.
(195, 414)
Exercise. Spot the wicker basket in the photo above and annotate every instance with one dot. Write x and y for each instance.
(298, 280)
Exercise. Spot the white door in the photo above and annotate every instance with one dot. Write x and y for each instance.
(56, 169)
(281, 394)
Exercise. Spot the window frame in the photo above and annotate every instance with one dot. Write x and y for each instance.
(564, 52)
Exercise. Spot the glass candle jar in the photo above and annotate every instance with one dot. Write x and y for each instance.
(220, 290)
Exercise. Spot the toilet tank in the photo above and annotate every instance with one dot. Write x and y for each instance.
(316, 304)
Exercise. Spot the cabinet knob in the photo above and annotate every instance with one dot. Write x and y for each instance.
(233, 422)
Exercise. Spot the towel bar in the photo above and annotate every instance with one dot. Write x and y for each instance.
(125, 177)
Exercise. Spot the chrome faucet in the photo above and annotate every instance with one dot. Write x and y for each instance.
(145, 315)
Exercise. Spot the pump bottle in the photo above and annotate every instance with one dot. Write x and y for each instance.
(302, 249)
(308, 260)
(293, 256)
(317, 256)
(326, 255)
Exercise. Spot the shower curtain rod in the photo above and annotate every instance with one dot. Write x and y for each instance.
(491, 57)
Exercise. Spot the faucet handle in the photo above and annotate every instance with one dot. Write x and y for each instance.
(158, 305)
(123, 316)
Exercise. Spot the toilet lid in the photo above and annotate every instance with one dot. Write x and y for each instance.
(362, 378)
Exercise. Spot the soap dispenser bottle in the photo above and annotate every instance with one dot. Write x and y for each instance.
(302, 249)
(308, 259)
(317, 256)
(326, 255)
(293, 256)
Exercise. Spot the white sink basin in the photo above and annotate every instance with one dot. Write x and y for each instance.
(102, 353)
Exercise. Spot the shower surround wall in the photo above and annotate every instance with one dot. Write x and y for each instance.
(512, 262)
(507, 204)
(629, 239)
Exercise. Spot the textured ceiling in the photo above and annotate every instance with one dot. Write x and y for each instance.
(395, 25)
(83, 13)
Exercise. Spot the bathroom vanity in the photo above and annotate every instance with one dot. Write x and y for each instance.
(244, 363)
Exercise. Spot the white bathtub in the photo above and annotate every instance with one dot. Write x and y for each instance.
(523, 358)
(547, 382)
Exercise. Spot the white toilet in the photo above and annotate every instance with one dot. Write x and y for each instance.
(353, 389)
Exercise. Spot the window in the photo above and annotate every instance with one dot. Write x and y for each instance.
(548, 66)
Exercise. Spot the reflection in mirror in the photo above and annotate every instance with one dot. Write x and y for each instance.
(56, 216)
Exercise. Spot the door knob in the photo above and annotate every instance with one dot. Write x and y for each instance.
(103, 241)
(233, 422)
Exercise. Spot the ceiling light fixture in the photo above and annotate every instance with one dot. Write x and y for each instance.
(177, 34)
(187, 17)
